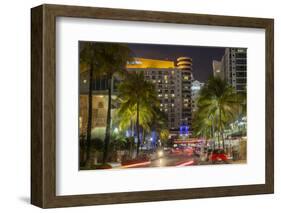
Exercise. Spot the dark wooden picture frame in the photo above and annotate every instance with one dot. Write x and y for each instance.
(43, 105)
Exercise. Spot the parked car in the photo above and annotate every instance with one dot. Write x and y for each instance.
(218, 156)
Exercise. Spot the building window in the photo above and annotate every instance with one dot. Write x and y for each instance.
(241, 74)
(241, 61)
(241, 80)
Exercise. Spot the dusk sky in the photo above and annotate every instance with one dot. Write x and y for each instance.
(202, 56)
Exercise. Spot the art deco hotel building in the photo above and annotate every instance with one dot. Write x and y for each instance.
(173, 84)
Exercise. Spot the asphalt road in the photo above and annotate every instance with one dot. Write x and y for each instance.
(171, 160)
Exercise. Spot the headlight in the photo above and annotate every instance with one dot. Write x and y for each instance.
(160, 153)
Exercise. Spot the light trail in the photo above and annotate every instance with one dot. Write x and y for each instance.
(187, 163)
(137, 164)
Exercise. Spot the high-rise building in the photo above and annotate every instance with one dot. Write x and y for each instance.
(233, 68)
(184, 65)
(173, 85)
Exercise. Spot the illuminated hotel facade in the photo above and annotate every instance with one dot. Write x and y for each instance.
(172, 80)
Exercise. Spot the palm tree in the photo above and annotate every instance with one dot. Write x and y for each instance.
(116, 57)
(219, 103)
(102, 59)
(139, 99)
(164, 136)
(126, 118)
(203, 126)
(89, 62)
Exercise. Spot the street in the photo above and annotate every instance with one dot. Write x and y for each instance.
(168, 159)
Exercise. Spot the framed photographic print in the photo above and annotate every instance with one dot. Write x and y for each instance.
(136, 106)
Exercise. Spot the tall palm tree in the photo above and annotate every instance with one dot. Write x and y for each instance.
(219, 102)
(116, 57)
(139, 98)
(104, 59)
(89, 62)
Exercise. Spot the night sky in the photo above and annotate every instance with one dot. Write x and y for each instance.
(202, 56)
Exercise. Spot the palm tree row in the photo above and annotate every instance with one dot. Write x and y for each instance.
(102, 59)
(218, 105)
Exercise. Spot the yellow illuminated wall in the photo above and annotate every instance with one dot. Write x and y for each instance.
(150, 63)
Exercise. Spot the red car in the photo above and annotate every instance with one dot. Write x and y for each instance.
(218, 155)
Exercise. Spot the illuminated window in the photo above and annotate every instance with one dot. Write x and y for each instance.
(165, 77)
(173, 95)
(159, 95)
(166, 95)
(80, 122)
(166, 82)
(173, 72)
(84, 81)
(185, 77)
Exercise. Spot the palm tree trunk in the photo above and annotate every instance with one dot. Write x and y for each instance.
(90, 105)
(108, 122)
(213, 135)
(143, 135)
(219, 140)
(222, 137)
(138, 130)
(132, 136)
(221, 131)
